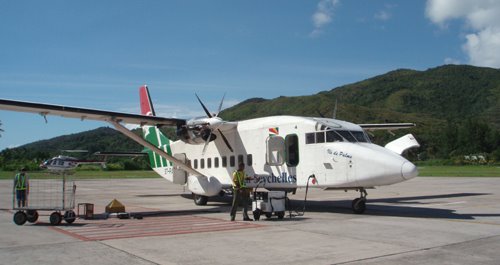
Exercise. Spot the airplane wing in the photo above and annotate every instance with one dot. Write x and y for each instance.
(87, 114)
(386, 126)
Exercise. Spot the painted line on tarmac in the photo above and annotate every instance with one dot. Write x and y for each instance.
(150, 226)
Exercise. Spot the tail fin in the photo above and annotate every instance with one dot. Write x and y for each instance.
(152, 134)
(146, 103)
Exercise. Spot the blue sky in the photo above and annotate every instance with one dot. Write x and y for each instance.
(96, 54)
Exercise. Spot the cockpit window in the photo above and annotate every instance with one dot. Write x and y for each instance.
(310, 138)
(320, 137)
(336, 136)
(360, 136)
(347, 135)
(332, 136)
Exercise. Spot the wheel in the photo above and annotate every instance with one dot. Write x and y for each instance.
(256, 214)
(200, 199)
(280, 215)
(32, 216)
(269, 215)
(20, 218)
(359, 205)
(55, 218)
(69, 216)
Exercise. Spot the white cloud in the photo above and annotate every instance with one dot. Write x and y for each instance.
(323, 16)
(449, 60)
(382, 15)
(482, 19)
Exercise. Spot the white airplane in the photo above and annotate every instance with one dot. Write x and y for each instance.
(283, 152)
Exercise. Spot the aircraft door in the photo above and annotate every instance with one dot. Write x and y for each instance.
(179, 175)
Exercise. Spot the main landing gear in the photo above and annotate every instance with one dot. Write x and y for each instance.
(359, 204)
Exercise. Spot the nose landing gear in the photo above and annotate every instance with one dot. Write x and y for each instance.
(359, 204)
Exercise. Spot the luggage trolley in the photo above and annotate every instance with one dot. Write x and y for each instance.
(55, 194)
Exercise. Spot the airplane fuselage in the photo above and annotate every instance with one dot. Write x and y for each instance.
(281, 152)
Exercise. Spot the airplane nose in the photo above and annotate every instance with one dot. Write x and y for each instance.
(408, 170)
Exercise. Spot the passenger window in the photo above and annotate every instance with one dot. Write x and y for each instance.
(196, 163)
(275, 150)
(249, 160)
(202, 163)
(320, 137)
(232, 161)
(224, 161)
(347, 136)
(310, 138)
(292, 150)
(216, 162)
(240, 159)
(332, 136)
(209, 162)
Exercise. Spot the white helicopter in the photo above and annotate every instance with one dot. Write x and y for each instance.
(64, 163)
(282, 152)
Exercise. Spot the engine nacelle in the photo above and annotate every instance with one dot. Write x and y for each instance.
(206, 186)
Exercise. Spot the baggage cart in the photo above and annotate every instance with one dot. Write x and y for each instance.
(55, 193)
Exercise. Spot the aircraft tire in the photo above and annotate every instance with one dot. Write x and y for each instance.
(269, 215)
(32, 216)
(359, 205)
(55, 218)
(200, 199)
(20, 218)
(69, 216)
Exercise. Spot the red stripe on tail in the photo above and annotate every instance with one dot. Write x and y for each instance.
(146, 104)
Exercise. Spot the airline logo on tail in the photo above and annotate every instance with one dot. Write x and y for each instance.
(152, 134)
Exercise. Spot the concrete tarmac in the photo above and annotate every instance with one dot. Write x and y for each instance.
(422, 221)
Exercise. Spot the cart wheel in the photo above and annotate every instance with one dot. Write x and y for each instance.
(269, 215)
(256, 214)
(20, 218)
(69, 216)
(32, 216)
(55, 218)
(280, 215)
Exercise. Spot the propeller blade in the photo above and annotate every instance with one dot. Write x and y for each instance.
(225, 140)
(203, 105)
(220, 105)
(206, 143)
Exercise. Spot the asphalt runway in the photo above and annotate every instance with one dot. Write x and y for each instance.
(422, 221)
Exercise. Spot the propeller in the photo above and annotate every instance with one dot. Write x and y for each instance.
(210, 115)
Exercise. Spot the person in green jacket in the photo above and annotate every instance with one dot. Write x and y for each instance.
(21, 187)
(240, 192)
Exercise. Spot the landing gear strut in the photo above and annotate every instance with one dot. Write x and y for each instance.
(359, 204)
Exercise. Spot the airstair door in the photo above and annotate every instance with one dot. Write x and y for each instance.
(179, 175)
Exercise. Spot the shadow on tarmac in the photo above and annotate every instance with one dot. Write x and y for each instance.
(395, 207)
(398, 207)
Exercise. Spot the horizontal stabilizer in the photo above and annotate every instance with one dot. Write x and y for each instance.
(402, 144)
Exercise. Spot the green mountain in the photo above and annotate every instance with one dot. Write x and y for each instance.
(456, 109)
(446, 93)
